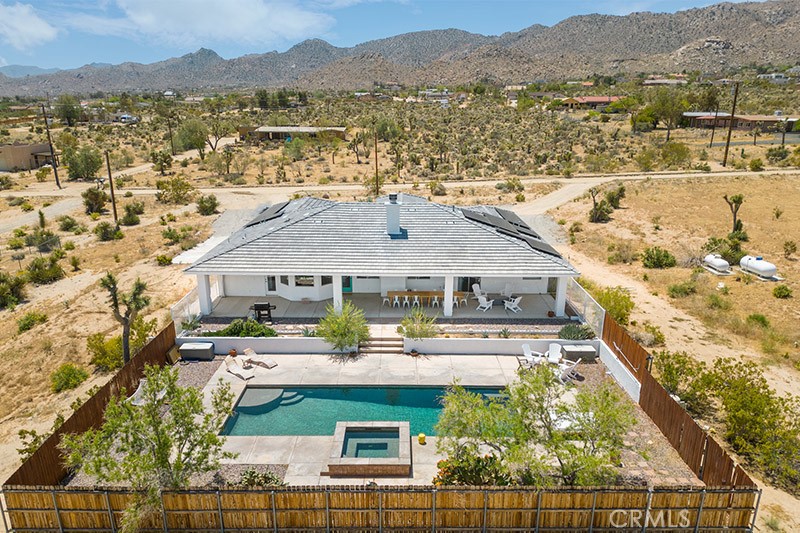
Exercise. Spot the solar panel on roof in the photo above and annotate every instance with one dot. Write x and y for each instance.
(511, 217)
(274, 211)
(542, 246)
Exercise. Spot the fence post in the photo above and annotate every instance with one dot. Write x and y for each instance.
(647, 508)
(380, 511)
(3, 510)
(755, 511)
(164, 513)
(274, 513)
(538, 509)
(591, 517)
(433, 510)
(327, 510)
(700, 511)
(219, 513)
(58, 514)
(485, 504)
(110, 514)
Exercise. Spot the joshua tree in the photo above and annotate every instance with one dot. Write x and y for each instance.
(134, 302)
(734, 203)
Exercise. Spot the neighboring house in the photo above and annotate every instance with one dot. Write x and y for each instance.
(15, 157)
(663, 82)
(313, 250)
(697, 119)
(794, 71)
(778, 78)
(589, 102)
(748, 122)
(280, 133)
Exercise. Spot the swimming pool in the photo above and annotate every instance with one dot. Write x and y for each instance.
(315, 410)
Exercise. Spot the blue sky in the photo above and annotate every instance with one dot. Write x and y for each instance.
(71, 33)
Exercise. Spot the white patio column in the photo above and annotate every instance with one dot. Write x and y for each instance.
(447, 305)
(337, 293)
(561, 296)
(221, 286)
(204, 294)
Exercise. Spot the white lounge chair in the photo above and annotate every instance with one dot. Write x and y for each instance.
(233, 366)
(513, 304)
(138, 399)
(484, 304)
(566, 370)
(554, 353)
(530, 358)
(477, 292)
(250, 356)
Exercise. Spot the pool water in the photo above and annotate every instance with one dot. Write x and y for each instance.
(371, 443)
(315, 410)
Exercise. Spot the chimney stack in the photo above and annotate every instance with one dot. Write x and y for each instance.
(393, 215)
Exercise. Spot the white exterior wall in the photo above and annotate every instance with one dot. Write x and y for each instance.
(245, 285)
(361, 285)
(316, 293)
(432, 284)
(392, 284)
(518, 285)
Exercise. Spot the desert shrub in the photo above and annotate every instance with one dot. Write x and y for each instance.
(615, 196)
(43, 240)
(474, 470)
(510, 185)
(107, 352)
(758, 319)
(601, 212)
(67, 223)
(649, 335)
(576, 332)
(243, 328)
(5, 182)
(66, 377)
(207, 204)
(175, 190)
(729, 249)
(16, 243)
(106, 231)
(782, 291)
(131, 216)
(777, 154)
(716, 301)
(258, 478)
(163, 260)
(346, 329)
(682, 290)
(789, 249)
(686, 377)
(622, 252)
(29, 320)
(418, 325)
(756, 165)
(75, 263)
(675, 154)
(657, 257)
(617, 303)
(44, 270)
(12, 290)
(94, 200)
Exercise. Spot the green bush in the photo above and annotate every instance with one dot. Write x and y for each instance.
(29, 320)
(777, 154)
(12, 290)
(207, 204)
(657, 257)
(68, 246)
(243, 328)
(163, 260)
(682, 290)
(175, 190)
(716, 301)
(759, 320)
(43, 240)
(44, 270)
(107, 352)
(756, 165)
(106, 231)
(576, 332)
(132, 212)
(16, 243)
(473, 470)
(346, 329)
(94, 200)
(782, 291)
(686, 377)
(418, 325)
(617, 303)
(66, 223)
(258, 478)
(67, 376)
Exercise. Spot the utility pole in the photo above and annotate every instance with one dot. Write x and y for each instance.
(111, 184)
(50, 142)
(171, 140)
(730, 124)
(377, 180)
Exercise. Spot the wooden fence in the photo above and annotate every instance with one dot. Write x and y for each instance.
(359, 508)
(46, 466)
(700, 451)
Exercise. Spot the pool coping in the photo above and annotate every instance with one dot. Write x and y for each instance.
(399, 466)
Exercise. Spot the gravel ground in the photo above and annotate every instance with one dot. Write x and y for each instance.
(197, 373)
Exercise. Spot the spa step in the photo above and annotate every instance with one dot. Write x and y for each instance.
(387, 345)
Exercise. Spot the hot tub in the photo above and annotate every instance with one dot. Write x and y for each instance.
(371, 449)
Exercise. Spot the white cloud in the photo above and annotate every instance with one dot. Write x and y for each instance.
(22, 28)
(197, 22)
(3, 61)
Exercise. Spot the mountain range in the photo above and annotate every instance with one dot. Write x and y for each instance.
(712, 39)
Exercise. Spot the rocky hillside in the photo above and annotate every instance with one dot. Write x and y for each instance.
(711, 39)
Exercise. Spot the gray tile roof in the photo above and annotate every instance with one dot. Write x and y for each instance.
(323, 237)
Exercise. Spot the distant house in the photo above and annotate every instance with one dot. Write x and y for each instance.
(15, 157)
(663, 82)
(170, 95)
(778, 78)
(692, 119)
(589, 102)
(794, 71)
(282, 133)
(749, 122)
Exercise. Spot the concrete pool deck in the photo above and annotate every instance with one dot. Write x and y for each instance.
(308, 456)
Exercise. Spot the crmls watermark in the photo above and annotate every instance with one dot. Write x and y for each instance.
(665, 518)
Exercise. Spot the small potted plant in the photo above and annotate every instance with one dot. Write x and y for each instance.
(232, 352)
(413, 352)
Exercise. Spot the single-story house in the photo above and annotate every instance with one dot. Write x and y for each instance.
(14, 157)
(692, 118)
(281, 133)
(589, 102)
(777, 78)
(749, 122)
(315, 250)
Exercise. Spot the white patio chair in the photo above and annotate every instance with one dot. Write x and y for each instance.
(396, 301)
(435, 301)
(477, 292)
(251, 357)
(462, 299)
(415, 301)
(455, 301)
(507, 292)
(531, 358)
(386, 301)
(554, 353)
(406, 301)
(513, 304)
(484, 304)
(566, 370)
(233, 366)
